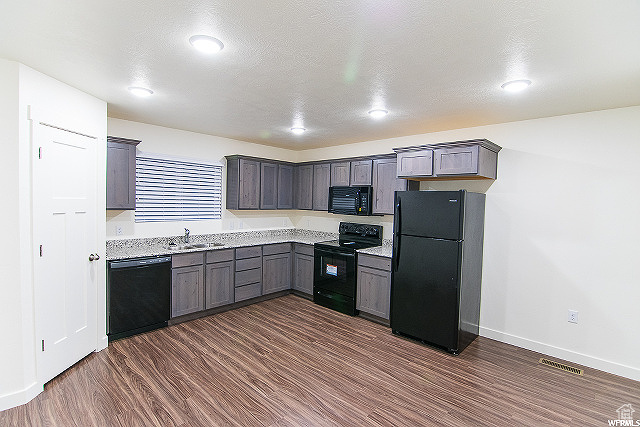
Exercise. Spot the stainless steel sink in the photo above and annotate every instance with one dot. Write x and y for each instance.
(194, 246)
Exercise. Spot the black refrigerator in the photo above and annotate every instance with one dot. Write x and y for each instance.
(437, 266)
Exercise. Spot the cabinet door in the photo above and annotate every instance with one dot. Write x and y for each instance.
(249, 193)
(187, 286)
(121, 176)
(303, 273)
(219, 284)
(268, 186)
(373, 294)
(456, 161)
(285, 187)
(361, 172)
(385, 183)
(303, 184)
(415, 163)
(321, 182)
(276, 272)
(340, 173)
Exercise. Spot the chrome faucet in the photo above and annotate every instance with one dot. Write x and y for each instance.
(186, 235)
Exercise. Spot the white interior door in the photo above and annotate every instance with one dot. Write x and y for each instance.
(64, 229)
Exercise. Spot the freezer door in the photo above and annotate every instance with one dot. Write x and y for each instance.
(424, 290)
(436, 214)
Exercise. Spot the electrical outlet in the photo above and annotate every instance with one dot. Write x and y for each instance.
(572, 316)
(118, 230)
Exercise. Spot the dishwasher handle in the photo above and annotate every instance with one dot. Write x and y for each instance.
(140, 262)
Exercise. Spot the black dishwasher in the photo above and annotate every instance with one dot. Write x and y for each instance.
(138, 295)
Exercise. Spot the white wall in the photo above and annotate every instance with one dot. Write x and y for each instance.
(27, 93)
(157, 139)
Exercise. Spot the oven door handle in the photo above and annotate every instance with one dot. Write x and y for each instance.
(339, 254)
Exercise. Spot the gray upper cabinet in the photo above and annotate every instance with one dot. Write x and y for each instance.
(121, 173)
(340, 173)
(361, 171)
(415, 163)
(374, 285)
(303, 187)
(321, 182)
(285, 186)
(476, 158)
(243, 183)
(385, 184)
(268, 185)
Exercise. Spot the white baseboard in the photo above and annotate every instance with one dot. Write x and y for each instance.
(20, 397)
(562, 353)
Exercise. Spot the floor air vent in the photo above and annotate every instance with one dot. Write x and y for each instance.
(562, 366)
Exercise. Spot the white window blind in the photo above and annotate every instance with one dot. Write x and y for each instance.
(169, 189)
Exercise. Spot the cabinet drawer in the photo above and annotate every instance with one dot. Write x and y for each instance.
(381, 263)
(250, 252)
(248, 263)
(184, 260)
(301, 248)
(220, 255)
(457, 161)
(248, 291)
(277, 248)
(249, 276)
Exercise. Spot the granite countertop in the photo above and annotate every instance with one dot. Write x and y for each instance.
(135, 248)
(385, 250)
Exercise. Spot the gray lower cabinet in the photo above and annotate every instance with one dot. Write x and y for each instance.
(268, 186)
(276, 268)
(340, 173)
(321, 183)
(303, 268)
(415, 163)
(303, 187)
(219, 278)
(386, 183)
(374, 285)
(187, 283)
(248, 273)
(285, 186)
(121, 173)
(361, 172)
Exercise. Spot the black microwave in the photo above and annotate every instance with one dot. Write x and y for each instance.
(350, 200)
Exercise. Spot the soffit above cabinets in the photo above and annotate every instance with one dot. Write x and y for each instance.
(323, 65)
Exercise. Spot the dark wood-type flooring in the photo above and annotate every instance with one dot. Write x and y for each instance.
(288, 362)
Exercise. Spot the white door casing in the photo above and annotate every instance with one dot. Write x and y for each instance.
(65, 224)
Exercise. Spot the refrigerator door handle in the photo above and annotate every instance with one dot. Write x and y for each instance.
(396, 236)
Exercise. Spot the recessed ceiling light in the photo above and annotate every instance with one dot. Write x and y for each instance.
(378, 113)
(140, 91)
(298, 130)
(516, 85)
(206, 44)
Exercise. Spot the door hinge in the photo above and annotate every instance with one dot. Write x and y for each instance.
(42, 345)
(40, 250)
(39, 152)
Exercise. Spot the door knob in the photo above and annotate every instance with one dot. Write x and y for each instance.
(93, 257)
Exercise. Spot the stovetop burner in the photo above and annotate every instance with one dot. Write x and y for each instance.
(355, 236)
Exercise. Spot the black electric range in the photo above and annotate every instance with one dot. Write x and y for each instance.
(334, 277)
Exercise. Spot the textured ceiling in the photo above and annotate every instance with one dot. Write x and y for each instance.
(323, 64)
